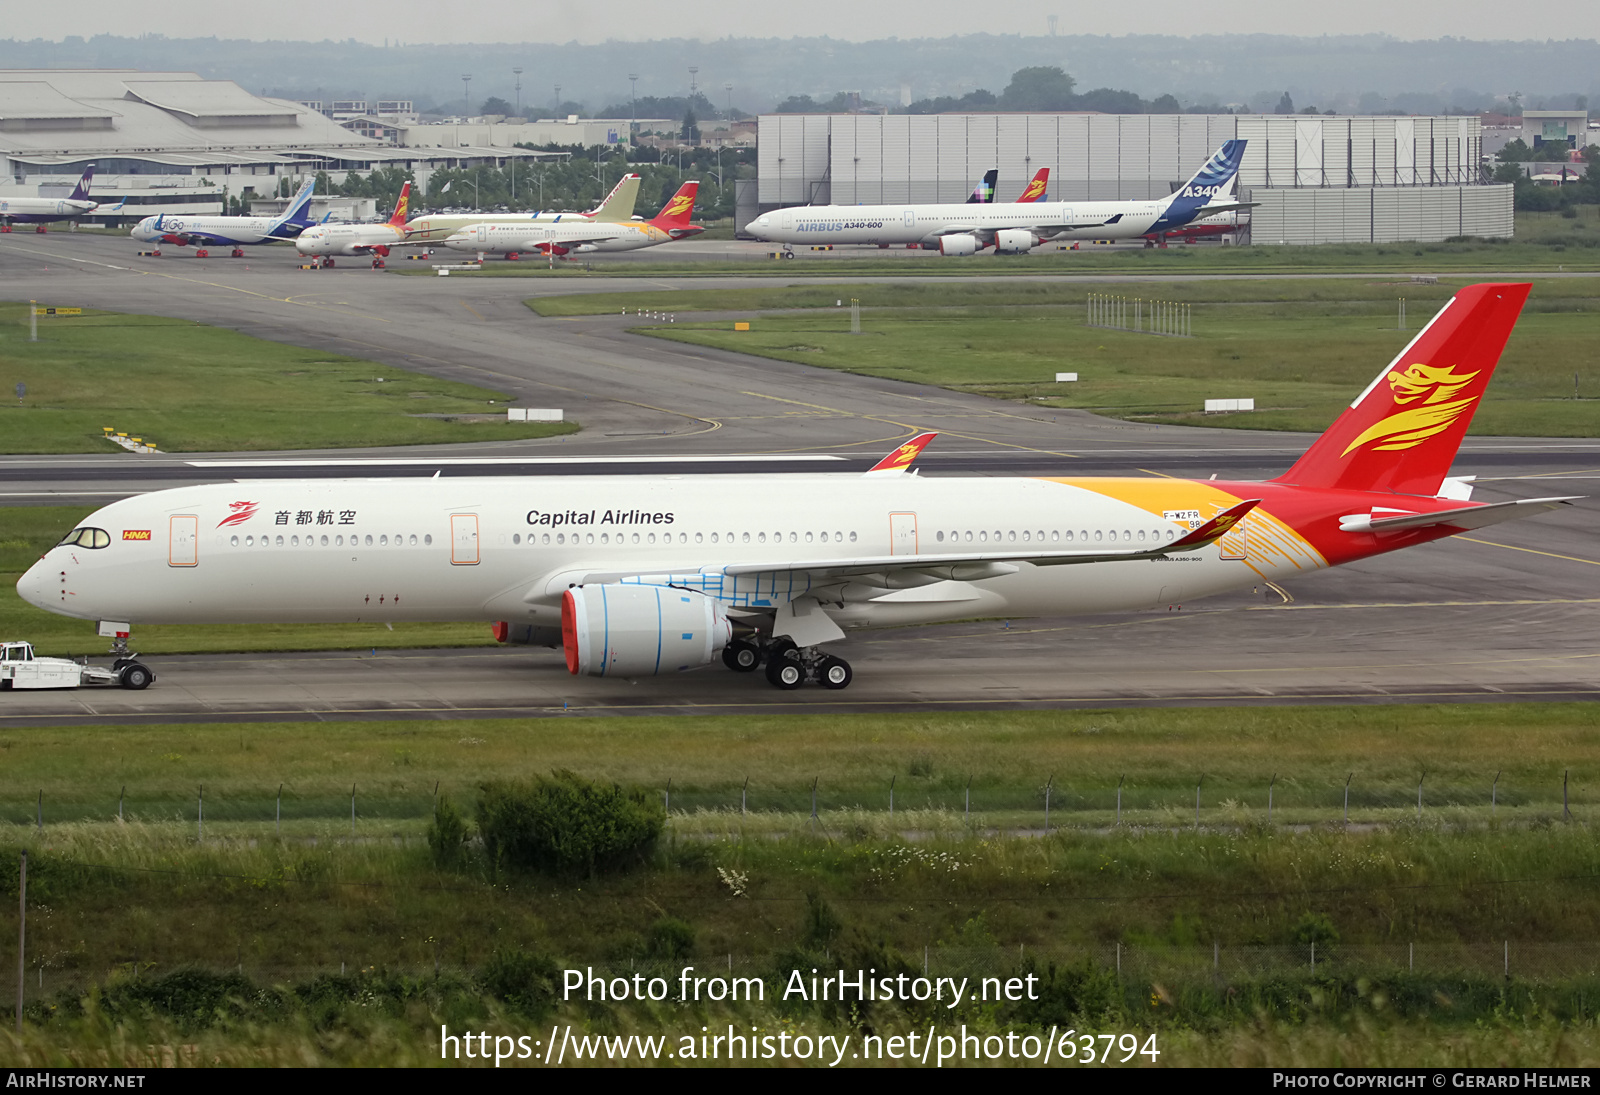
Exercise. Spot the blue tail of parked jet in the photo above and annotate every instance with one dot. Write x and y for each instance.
(297, 218)
(1210, 182)
(80, 193)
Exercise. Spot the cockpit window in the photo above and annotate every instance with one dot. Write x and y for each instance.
(87, 538)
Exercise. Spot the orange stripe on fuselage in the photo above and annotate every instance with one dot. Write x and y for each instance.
(1271, 543)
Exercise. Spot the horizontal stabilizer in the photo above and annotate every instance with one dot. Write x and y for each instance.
(1468, 517)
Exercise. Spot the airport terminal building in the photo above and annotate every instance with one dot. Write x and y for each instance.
(1314, 178)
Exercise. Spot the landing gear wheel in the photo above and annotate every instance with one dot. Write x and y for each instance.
(741, 657)
(327, 262)
(136, 676)
(785, 671)
(834, 673)
(202, 254)
(238, 253)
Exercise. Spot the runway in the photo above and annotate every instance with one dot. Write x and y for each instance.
(1509, 613)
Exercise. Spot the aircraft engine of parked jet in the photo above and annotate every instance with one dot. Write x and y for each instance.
(1014, 241)
(637, 630)
(526, 634)
(958, 245)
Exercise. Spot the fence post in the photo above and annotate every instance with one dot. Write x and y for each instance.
(1313, 956)
(33, 321)
(200, 814)
(1347, 780)
(120, 799)
(1566, 814)
(22, 934)
(1270, 784)
(1494, 794)
(814, 781)
(1047, 784)
(277, 821)
(1119, 800)
(1508, 959)
(39, 816)
(352, 809)
(1197, 787)
(666, 807)
(891, 796)
(969, 801)
(1420, 778)
(744, 795)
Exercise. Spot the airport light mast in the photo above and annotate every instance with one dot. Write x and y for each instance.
(518, 73)
(466, 95)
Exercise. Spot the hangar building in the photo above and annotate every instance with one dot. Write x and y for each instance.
(1315, 178)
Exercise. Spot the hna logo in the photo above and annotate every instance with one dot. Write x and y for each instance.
(1436, 388)
(1035, 188)
(242, 512)
(136, 534)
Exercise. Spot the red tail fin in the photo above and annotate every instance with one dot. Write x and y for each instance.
(398, 219)
(678, 210)
(1402, 433)
(1036, 187)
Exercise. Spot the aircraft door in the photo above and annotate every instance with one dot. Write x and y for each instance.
(786, 220)
(464, 539)
(910, 217)
(183, 548)
(483, 233)
(902, 534)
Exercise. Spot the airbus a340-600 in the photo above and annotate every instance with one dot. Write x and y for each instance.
(203, 233)
(1011, 228)
(637, 575)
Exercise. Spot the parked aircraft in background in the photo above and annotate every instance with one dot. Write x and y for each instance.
(983, 193)
(562, 237)
(328, 240)
(635, 575)
(437, 227)
(39, 211)
(202, 233)
(1011, 228)
(1035, 191)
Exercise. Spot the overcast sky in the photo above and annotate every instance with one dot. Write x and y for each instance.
(598, 20)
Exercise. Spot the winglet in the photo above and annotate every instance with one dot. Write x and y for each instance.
(1214, 529)
(898, 461)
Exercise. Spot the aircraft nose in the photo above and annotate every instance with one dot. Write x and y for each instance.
(34, 586)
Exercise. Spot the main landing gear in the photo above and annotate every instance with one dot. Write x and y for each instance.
(788, 666)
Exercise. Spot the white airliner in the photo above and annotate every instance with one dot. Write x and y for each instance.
(433, 228)
(637, 575)
(561, 237)
(324, 241)
(1011, 228)
(235, 232)
(39, 211)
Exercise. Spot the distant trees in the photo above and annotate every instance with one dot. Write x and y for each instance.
(1044, 88)
(496, 105)
(1285, 105)
(1041, 88)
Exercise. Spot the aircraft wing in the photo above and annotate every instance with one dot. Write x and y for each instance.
(1468, 517)
(941, 566)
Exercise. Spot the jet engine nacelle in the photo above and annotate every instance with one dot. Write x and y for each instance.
(526, 634)
(958, 245)
(1014, 241)
(639, 631)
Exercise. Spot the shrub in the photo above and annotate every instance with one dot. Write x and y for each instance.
(526, 983)
(566, 824)
(670, 939)
(447, 832)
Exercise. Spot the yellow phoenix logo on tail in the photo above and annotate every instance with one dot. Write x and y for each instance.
(1406, 429)
(679, 206)
(1035, 188)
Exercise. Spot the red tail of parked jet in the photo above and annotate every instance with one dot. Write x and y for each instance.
(674, 216)
(398, 218)
(1402, 433)
(1036, 187)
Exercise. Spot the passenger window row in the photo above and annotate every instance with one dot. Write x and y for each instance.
(608, 538)
(1057, 536)
(337, 540)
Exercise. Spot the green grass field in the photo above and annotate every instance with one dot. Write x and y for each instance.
(187, 387)
(1301, 349)
(116, 905)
